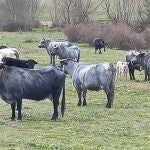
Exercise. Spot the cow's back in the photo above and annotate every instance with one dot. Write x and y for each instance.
(30, 84)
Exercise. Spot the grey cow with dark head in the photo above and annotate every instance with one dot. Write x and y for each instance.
(18, 83)
(132, 67)
(143, 60)
(72, 52)
(92, 77)
(49, 45)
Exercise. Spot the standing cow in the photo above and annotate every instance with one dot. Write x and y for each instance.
(99, 44)
(129, 56)
(143, 60)
(17, 84)
(91, 77)
(72, 52)
(49, 45)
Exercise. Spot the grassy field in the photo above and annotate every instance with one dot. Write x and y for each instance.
(125, 126)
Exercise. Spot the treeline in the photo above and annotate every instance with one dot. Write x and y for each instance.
(127, 21)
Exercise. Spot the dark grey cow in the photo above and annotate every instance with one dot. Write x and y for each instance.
(72, 52)
(50, 44)
(17, 84)
(93, 77)
(129, 56)
(98, 44)
(143, 60)
(8, 61)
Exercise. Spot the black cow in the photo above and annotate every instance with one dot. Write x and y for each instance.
(129, 56)
(21, 83)
(99, 44)
(19, 63)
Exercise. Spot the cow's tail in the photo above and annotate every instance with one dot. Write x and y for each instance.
(63, 103)
(113, 79)
(78, 57)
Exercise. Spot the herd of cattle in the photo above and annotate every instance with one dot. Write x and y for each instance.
(19, 80)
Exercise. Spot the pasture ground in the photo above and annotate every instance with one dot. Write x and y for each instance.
(125, 126)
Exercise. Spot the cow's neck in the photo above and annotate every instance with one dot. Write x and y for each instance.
(72, 67)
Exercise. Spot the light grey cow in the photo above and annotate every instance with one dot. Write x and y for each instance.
(49, 45)
(92, 77)
(72, 52)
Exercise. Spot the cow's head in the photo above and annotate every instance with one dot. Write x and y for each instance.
(30, 63)
(67, 64)
(43, 43)
(138, 59)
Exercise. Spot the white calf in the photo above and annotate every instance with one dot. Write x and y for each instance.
(122, 70)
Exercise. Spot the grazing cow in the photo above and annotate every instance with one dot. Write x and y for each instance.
(21, 83)
(9, 52)
(98, 44)
(19, 63)
(91, 77)
(49, 45)
(122, 70)
(143, 60)
(129, 56)
(72, 52)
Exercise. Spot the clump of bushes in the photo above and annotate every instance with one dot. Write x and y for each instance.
(83, 32)
(119, 35)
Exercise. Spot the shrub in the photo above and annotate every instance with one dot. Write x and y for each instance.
(117, 35)
(83, 32)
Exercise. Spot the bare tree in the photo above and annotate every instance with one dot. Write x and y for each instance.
(120, 10)
(144, 14)
(22, 12)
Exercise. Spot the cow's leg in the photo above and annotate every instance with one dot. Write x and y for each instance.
(84, 97)
(110, 97)
(100, 51)
(19, 107)
(13, 109)
(79, 96)
(51, 59)
(95, 50)
(104, 49)
(55, 97)
(146, 75)
(54, 60)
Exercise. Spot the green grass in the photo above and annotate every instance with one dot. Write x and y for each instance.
(125, 126)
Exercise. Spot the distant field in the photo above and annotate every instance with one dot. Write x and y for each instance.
(125, 126)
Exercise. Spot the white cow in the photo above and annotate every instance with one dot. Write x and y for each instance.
(122, 70)
(9, 52)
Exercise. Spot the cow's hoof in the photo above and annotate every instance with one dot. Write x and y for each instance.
(54, 117)
(84, 103)
(79, 104)
(12, 119)
(108, 105)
